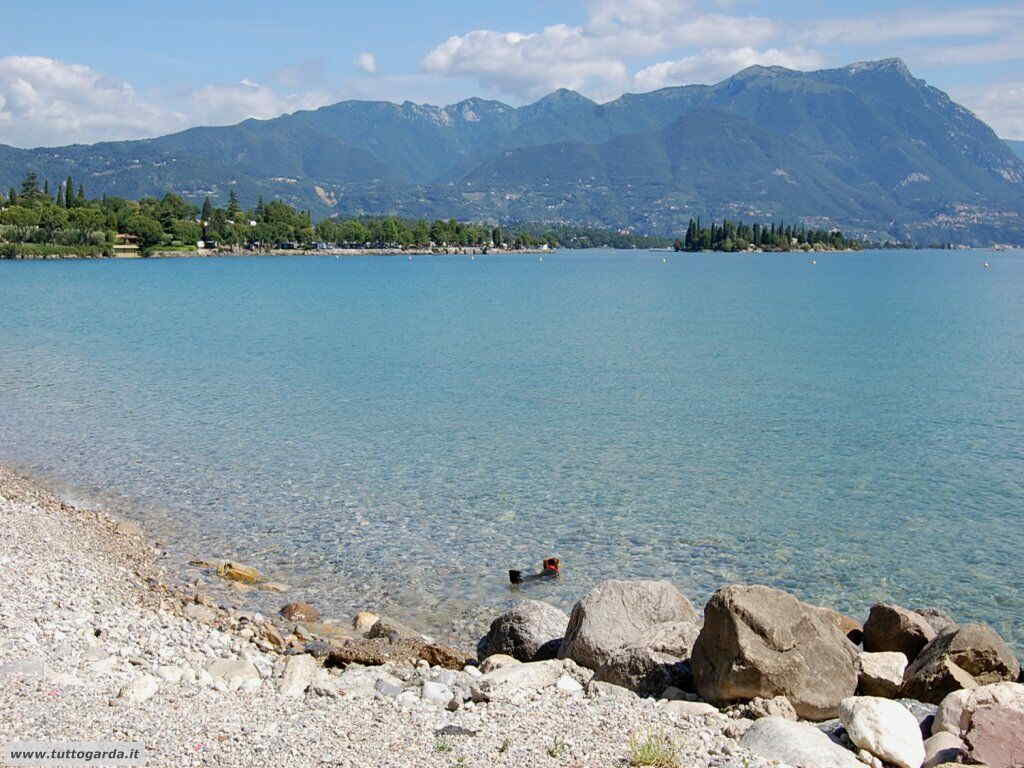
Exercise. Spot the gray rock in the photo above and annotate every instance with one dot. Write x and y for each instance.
(437, 693)
(884, 729)
(758, 707)
(620, 613)
(881, 674)
(568, 684)
(762, 642)
(644, 670)
(690, 708)
(892, 628)
(943, 747)
(233, 675)
(797, 744)
(965, 657)
(299, 673)
(996, 737)
(504, 683)
(956, 712)
(531, 631)
(387, 689)
(170, 674)
(597, 689)
(138, 690)
(447, 677)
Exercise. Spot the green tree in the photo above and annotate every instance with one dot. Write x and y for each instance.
(51, 218)
(69, 193)
(146, 228)
(234, 209)
(86, 221)
(30, 188)
(207, 212)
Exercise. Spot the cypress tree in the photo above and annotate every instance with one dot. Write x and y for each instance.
(60, 196)
(69, 193)
(80, 198)
(207, 213)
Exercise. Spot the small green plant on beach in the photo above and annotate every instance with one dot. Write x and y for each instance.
(557, 748)
(505, 746)
(443, 745)
(656, 750)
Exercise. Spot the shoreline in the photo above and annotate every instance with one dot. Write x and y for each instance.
(217, 253)
(104, 642)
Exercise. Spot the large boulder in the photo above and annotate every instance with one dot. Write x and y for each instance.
(965, 657)
(891, 628)
(759, 641)
(996, 738)
(531, 631)
(636, 634)
(795, 743)
(884, 728)
(956, 712)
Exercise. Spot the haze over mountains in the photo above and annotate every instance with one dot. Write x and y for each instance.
(867, 148)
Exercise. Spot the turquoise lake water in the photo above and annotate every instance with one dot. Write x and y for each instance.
(397, 434)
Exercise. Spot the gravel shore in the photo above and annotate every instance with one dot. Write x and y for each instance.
(98, 643)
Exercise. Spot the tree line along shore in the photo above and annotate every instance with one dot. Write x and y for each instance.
(38, 223)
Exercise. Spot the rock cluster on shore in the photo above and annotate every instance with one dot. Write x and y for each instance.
(98, 643)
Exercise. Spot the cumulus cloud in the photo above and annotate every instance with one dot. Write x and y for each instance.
(1001, 105)
(528, 65)
(591, 56)
(367, 62)
(715, 64)
(46, 102)
(225, 104)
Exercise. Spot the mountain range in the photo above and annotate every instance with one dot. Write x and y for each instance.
(867, 148)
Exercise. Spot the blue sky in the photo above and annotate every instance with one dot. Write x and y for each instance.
(83, 72)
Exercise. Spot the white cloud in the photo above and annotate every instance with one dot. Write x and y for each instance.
(44, 101)
(1001, 105)
(367, 62)
(715, 64)
(225, 104)
(528, 65)
(590, 57)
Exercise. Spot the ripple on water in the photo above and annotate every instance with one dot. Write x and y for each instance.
(396, 439)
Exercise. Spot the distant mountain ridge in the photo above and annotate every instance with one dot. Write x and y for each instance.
(867, 148)
(1016, 146)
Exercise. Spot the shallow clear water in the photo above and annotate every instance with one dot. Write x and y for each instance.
(382, 431)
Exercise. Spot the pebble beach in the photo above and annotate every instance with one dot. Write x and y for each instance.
(100, 643)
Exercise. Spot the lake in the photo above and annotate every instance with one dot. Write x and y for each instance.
(396, 434)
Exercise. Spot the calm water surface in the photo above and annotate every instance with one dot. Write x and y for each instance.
(399, 434)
